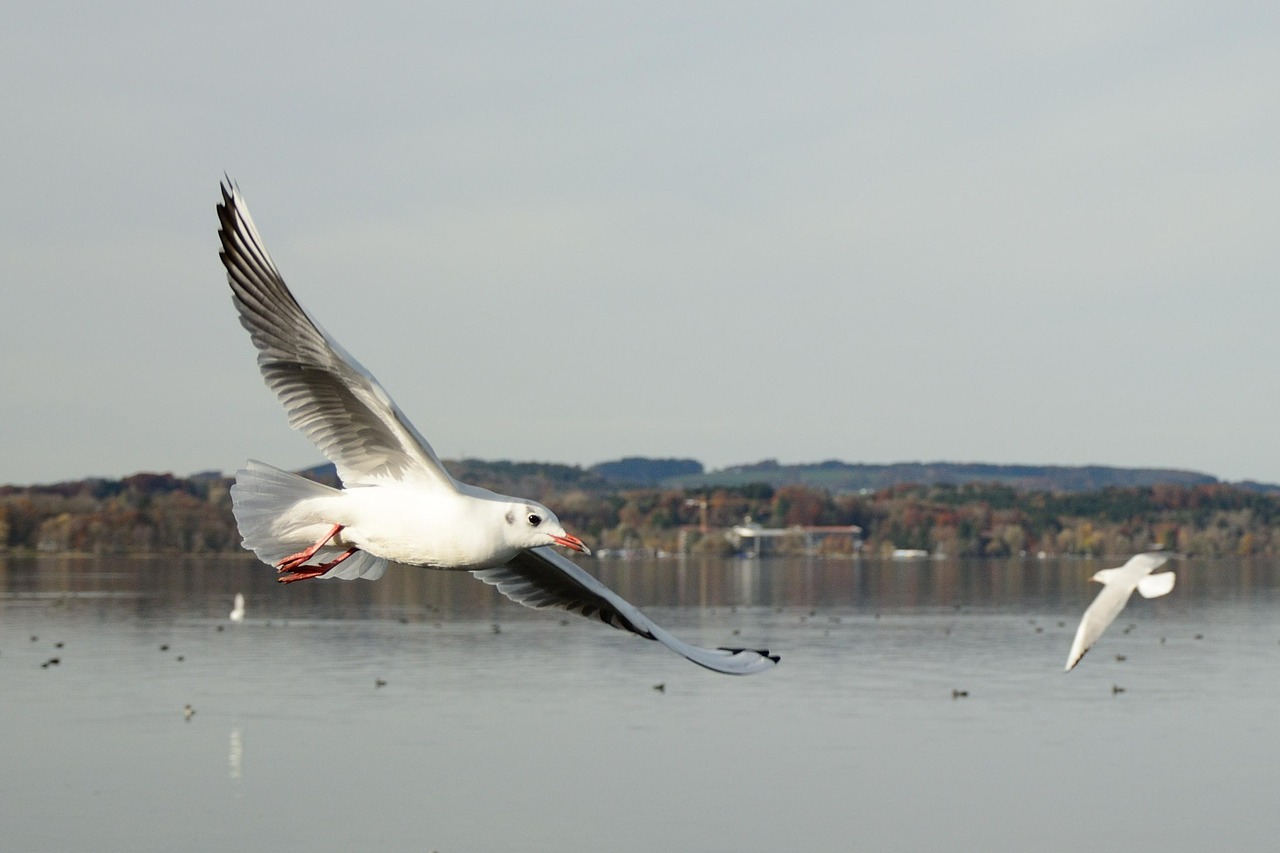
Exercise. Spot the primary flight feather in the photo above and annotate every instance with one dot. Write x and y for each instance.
(398, 502)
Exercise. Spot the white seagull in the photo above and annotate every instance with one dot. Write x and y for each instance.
(237, 610)
(1117, 585)
(397, 502)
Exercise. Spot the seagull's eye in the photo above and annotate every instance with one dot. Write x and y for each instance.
(535, 519)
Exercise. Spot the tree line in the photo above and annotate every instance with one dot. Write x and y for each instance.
(161, 513)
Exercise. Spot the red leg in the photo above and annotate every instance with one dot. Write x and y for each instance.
(309, 572)
(303, 575)
(296, 561)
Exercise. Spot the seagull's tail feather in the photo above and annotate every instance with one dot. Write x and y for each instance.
(261, 499)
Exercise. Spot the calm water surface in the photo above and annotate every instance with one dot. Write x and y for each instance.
(502, 729)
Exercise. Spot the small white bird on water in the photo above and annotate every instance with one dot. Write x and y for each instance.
(237, 609)
(1117, 585)
(397, 502)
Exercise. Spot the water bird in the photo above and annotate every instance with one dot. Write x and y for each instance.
(398, 502)
(959, 694)
(379, 682)
(188, 712)
(1117, 585)
(237, 609)
(1116, 689)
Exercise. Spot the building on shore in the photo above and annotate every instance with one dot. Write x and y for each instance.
(753, 539)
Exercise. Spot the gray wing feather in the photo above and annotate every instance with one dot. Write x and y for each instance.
(542, 578)
(327, 395)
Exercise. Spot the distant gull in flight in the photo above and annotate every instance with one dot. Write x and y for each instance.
(1117, 585)
(397, 502)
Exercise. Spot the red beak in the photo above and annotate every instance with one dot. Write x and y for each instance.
(572, 542)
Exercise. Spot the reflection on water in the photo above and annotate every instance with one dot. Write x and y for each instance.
(918, 705)
(207, 586)
(236, 755)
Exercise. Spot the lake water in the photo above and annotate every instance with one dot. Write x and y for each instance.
(503, 729)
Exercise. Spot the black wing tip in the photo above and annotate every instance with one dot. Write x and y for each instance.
(229, 190)
(764, 653)
(226, 218)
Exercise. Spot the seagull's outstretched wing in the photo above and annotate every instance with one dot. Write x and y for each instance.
(1154, 586)
(327, 394)
(1145, 563)
(542, 578)
(1101, 613)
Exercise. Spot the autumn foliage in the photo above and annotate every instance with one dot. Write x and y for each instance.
(163, 513)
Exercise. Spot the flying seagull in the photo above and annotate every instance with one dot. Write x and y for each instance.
(397, 502)
(1117, 585)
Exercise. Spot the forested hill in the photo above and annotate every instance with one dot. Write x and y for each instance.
(665, 505)
(839, 476)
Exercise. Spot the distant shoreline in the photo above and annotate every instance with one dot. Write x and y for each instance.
(674, 506)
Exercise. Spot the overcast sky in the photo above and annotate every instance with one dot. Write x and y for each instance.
(571, 232)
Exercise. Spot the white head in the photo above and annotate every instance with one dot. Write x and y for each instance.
(530, 525)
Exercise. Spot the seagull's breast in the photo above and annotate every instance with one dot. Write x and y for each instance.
(423, 527)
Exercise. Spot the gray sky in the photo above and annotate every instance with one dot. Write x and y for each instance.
(997, 232)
